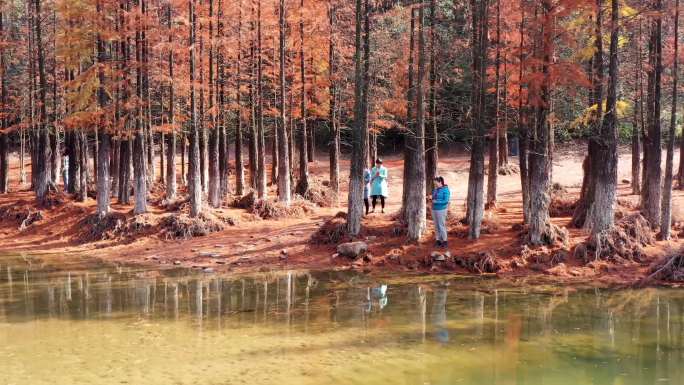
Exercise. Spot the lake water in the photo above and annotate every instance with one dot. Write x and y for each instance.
(122, 326)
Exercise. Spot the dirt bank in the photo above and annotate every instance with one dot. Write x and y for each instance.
(247, 243)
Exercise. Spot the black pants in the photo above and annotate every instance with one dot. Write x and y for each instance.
(367, 204)
(382, 201)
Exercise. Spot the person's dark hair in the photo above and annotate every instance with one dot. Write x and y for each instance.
(440, 180)
(378, 161)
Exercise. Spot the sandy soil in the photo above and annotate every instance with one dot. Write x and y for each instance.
(255, 244)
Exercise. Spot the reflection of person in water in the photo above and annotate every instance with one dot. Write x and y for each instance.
(377, 294)
(439, 316)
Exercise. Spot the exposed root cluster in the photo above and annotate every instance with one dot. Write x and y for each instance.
(491, 223)
(266, 209)
(333, 231)
(509, 169)
(182, 226)
(21, 215)
(624, 241)
(668, 269)
(93, 228)
(246, 201)
(553, 235)
(481, 263)
(563, 204)
(320, 194)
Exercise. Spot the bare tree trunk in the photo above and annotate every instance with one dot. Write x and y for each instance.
(359, 137)
(224, 154)
(239, 164)
(475, 199)
(589, 181)
(493, 174)
(503, 129)
(303, 183)
(666, 207)
(139, 149)
(103, 181)
(261, 146)
(601, 213)
(4, 161)
(4, 146)
(83, 141)
(43, 135)
(651, 195)
(201, 118)
(195, 181)
(523, 125)
(410, 123)
(125, 153)
(334, 146)
(416, 206)
(214, 134)
(636, 129)
(539, 160)
(431, 135)
(284, 189)
(171, 185)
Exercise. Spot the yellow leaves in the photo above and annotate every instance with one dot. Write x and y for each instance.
(588, 117)
(586, 53)
(627, 11)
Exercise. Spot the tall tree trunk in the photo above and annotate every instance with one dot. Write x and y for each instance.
(493, 174)
(103, 181)
(171, 185)
(359, 137)
(4, 146)
(56, 151)
(275, 135)
(636, 127)
(125, 157)
(539, 160)
(224, 154)
(589, 181)
(303, 183)
(201, 118)
(475, 198)
(651, 195)
(601, 213)
(83, 141)
(214, 135)
(523, 124)
(284, 189)
(410, 123)
(4, 162)
(431, 136)
(195, 182)
(239, 164)
(416, 206)
(334, 145)
(371, 144)
(139, 149)
(43, 135)
(666, 207)
(261, 146)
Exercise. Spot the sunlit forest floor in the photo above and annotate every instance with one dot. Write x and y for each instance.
(255, 244)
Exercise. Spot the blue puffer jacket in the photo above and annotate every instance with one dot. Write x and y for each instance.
(440, 198)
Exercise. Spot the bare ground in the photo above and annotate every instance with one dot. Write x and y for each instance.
(247, 243)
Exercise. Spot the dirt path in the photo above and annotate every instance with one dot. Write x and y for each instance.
(255, 244)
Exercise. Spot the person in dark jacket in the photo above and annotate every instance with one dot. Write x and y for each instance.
(440, 207)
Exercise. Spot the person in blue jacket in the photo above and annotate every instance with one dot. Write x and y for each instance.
(366, 188)
(379, 187)
(440, 207)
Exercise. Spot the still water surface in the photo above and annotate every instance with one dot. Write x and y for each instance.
(120, 326)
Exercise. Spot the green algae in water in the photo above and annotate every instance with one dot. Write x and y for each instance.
(133, 327)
